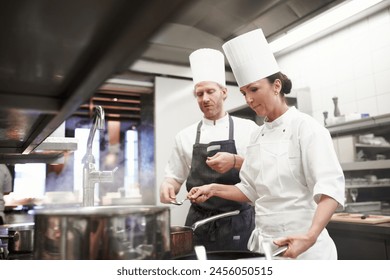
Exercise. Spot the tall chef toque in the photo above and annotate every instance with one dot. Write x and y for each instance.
(208, 65)
(250, 57)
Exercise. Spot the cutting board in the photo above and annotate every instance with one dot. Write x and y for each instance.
(357, 218)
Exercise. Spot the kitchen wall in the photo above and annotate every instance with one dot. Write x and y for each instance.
(353, 64)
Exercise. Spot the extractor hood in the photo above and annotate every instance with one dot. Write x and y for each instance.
(51, 150)
(54, 55)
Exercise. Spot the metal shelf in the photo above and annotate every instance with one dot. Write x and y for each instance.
(366, 165)
(360, 126)
(366, 186)
(373, 148)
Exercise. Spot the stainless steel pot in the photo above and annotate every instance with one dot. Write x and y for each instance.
(22, 240)
(104, 232)
(20, 237)
(182, 236)
(3, 242)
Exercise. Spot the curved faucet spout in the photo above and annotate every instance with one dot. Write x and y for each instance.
(91, 176)
(98, 123)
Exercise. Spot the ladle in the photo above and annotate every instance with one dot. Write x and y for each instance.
(178, 202)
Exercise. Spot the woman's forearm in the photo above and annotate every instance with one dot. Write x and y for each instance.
(325, 209)
(203, 193)
(230, 192)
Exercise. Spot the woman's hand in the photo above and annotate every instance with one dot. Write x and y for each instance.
(297, 244)
(199, 194)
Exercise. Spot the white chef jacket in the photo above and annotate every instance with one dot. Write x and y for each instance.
(179, 163)
(5, 186)
(289, 164)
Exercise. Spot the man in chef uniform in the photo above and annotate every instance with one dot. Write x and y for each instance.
(291, 172)
(211, 151)
(5, 188)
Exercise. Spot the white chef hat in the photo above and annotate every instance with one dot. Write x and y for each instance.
(208, 65)
(250, 57)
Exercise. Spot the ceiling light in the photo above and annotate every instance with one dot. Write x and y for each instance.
(321, 23)
(129, 82)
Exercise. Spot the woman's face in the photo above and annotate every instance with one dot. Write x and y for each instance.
(262, 96)
(210, 97)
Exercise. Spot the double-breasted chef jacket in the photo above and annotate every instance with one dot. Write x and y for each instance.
(289, 164)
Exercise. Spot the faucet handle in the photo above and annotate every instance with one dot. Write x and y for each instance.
(107, 176)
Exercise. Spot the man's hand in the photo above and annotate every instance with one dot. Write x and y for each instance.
(168, 190)
(221, 162)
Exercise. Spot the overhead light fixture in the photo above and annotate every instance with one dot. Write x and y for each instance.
(129, 82)
(322, 23)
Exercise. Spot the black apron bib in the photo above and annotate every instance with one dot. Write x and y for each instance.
(230, 233)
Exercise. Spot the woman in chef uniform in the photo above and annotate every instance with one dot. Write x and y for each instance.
(211, 151)
(291, 172)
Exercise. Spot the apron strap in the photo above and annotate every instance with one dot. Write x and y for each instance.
(198, 133)
(231, 130)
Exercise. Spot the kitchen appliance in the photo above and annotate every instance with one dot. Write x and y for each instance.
(103, 232)
(201, 254)
(223, 255)
(235, 255)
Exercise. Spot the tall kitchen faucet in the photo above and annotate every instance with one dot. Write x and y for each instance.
(91, 176)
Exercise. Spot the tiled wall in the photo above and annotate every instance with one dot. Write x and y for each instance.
(352, 64)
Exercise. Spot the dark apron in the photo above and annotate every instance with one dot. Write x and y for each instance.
(230, 233)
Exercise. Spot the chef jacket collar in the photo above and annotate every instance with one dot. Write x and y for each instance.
(280, 120)
(222, 120)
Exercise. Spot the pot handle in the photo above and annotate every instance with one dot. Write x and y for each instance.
(212, 218)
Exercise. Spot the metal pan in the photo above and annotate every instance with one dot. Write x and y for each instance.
(182, 236)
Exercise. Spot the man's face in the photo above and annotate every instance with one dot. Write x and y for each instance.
(210, 97)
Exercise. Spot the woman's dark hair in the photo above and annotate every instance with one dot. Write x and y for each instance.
(286, 82)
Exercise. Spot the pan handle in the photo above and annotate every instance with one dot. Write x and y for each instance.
(212, 218)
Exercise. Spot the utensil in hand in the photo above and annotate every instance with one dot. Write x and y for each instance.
(279, 251)
(178, 202)
(269, 254)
